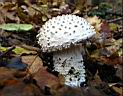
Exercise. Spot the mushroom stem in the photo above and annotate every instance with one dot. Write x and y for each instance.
(69, 63)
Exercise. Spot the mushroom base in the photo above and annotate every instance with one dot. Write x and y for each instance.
(69, 63)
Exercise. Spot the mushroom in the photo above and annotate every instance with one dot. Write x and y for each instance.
(62, 35)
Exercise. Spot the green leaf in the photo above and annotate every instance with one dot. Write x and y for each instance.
(120, 52)
(104, 6)
(16, 27)
(97, 12)
(2, 49)
(113, 26)
(19, 51)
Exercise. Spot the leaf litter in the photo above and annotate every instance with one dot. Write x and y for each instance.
(26, 71)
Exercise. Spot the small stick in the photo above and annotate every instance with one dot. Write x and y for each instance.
(114, 13)
(7, 51)
(114, 20)
(31, 48)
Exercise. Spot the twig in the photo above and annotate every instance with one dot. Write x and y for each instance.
(17, 37)
(29, 47)
(21, 44)
(40, 11)
(114, 13)
(33, 61)
(114, 20)
(7, 51)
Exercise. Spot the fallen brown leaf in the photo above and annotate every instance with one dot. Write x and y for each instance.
(45, 78)
(119, 90)
(21, 89)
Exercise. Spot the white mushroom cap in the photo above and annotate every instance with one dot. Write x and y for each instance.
(62, 31)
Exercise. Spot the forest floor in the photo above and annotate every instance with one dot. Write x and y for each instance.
(24, 69)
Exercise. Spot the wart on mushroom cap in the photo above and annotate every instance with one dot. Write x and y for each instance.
(59, 33)
(62, 31)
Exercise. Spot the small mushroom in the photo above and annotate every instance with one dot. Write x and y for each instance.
(62, 36)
